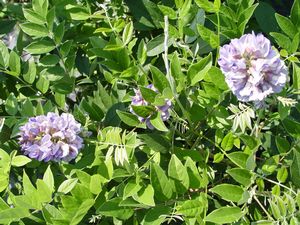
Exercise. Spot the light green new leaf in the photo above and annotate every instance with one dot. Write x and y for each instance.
(67, 185)
(127, 33)
(20, 160)
(146, 196)
(49, 179)
(225, 215)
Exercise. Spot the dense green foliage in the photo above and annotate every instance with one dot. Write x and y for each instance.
(215, 161)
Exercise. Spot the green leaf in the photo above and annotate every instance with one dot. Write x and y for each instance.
(292, 127)
(156, 45)
(95, 184)
(156, 142)
(228, 192)
(206, 5)
(242, 176)
(60, 99)
(30, 72)
(295, 168)
(67, 185)
(224, 215)
(244, 17)
(191, 208)
(49, 60)
(156, 215)
(127, 33)
(148, 94)
(196, 72)
(78, 12)
(194, 176)
(48, 178)
(282, 40)
(42, 84)
(216, 76)
(282, 174)
(13, 214)
(111, 208)
(11, 104)
(238, 158)
(295, 13)
(35, 30)
(218, 157)
(14, 63)
(20, 160)
(157, 122)
(142, 52)
(27, 108)
(160, 182)
(160, 81)
(146, 196)
(33, 17)
(40, 47)
(208, 36)
(81, 211)
(29, 189)
(131, 188)
(167, 11)
(282, 144)
(43, 192)
(50, 18)
(128, 118)
(227, 142)
(143, 110)
(179, 174)
(286, 25)
(59, 32)
(4, 55)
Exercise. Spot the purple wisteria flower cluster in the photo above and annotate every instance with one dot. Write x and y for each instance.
(252, 69)
(51, 137)
(138, 100)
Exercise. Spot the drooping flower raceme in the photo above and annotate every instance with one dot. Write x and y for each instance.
(51, 137)
(252, 69)
(138, 100)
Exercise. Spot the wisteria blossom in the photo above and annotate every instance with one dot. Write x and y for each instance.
(138, 100)
(252, 68)
(51, 137)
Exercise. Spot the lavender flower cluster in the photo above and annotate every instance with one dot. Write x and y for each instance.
(138, 100)
(252, 69)
(51, 137)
